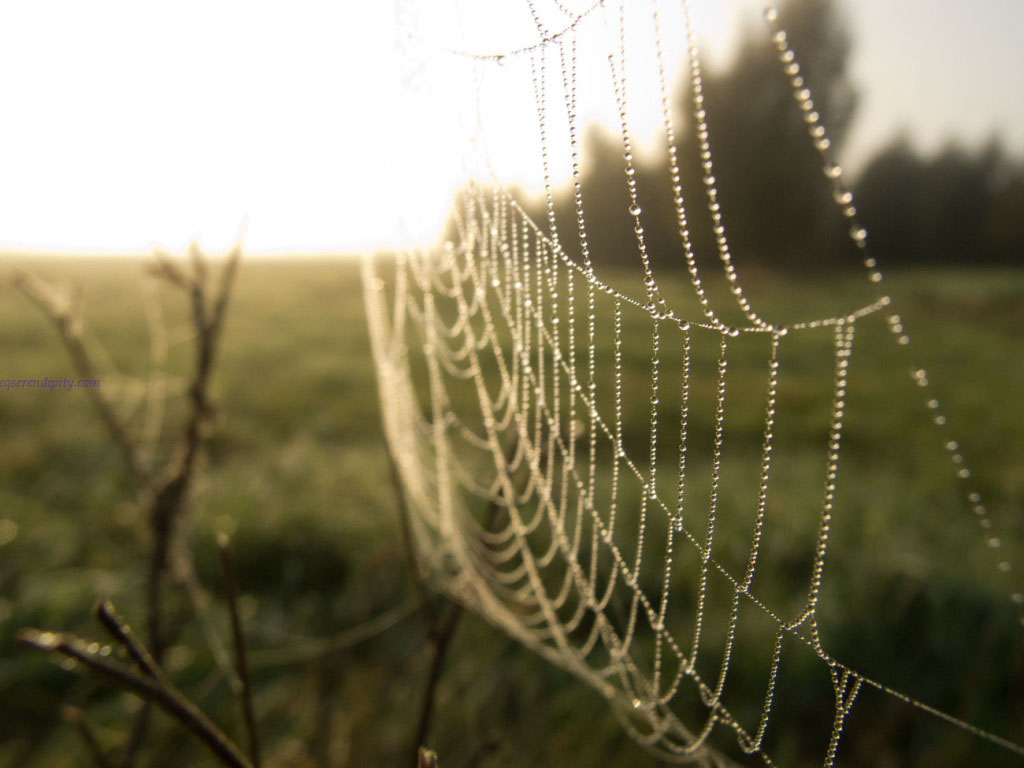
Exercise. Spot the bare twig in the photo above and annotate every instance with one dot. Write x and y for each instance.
(155, 690)
(227, 569)
(409, 547)
(183, 573)
(171, 489)
(120, 631)
(166, 268)
(441, 636)
(169, 492)
(63, 309)
(227, 280)
(440, 629)
(163, 490)
(441, 632)
(76, 717)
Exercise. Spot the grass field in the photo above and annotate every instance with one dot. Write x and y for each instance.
(297, 472)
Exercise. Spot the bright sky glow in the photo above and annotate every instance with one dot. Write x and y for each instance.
(126, 125)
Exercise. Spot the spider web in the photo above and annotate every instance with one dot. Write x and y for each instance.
(511, 402)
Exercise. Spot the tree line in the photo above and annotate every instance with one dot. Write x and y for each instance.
(955, 206)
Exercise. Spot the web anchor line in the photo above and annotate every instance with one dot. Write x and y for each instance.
(843, 197)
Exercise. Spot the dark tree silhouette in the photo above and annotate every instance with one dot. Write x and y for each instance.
(777, 207)
(774, 196)
(955, 207)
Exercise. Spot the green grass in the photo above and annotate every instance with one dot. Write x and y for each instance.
(297, 471)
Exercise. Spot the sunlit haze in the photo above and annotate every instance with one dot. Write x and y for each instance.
(128, 125)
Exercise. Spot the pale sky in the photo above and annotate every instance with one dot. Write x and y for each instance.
(126, 125)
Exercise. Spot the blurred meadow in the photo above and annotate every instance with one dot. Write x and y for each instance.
(296, 473)
(920, 593)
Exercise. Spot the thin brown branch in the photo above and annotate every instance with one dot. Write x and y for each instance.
(122, 632)
(227, 570)
(227, 280)
(63, 310)
(408, 545)
(136, 736)
(183, 574)
(441, 629)
(171, 490)
(167, 269)
(441, 637)
(153, 690)
(163, 491)
(198, 260)
(76, 718)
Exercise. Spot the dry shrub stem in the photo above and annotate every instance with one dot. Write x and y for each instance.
(440, 628)
(162, 490)
(227, 568)
(148, 681)
(76, 718)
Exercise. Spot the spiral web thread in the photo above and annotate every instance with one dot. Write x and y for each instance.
(501, 369)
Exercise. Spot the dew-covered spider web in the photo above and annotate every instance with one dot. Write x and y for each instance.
(594, 459)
